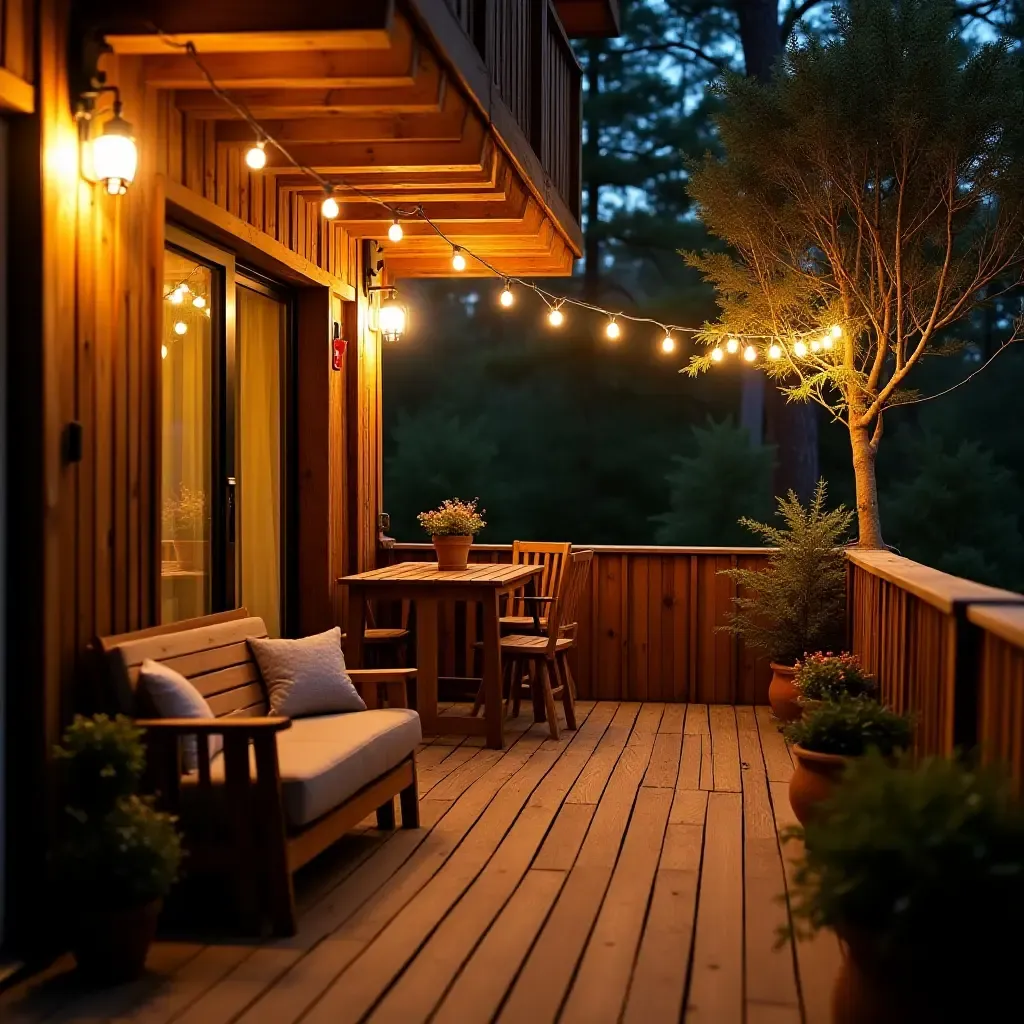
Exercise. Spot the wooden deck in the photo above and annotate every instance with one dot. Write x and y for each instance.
(622, 872)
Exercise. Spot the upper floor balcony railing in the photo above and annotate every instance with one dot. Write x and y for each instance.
(532, 70)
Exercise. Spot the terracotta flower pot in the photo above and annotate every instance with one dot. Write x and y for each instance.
(783, 694)
(452, 552)
(191, 554)
(813, 779)
(111, 945)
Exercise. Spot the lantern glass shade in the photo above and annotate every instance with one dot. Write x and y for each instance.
(391, 320)
(115, 157)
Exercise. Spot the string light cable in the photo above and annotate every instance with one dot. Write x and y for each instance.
(801, 343)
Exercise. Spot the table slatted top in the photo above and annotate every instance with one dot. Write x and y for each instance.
(426, 574)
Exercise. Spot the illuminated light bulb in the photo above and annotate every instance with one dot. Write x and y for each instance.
(176, 297)
(668, 344)
(717, 354)
(256, 156)
(775, 352)
(180, 327)
(163, 351)
(732, 346)
(391, 321)
(199, 302)
(750, 353)
(837, 331)
(826, 343)
(207, 311)
(458, 260)
(184, 288)
(115, 158)
(555, 318)
(800, 349)
(395, 232)
(815, 345)
(506, 298)
(612, 330)
(329, 208)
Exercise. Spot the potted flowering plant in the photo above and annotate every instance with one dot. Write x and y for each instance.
(919, 869)
(118, 856)
(821, 678)
(829, 736)
(452, 526)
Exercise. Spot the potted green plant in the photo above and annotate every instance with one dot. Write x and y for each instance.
(118, 856)
(920, 871)
(184, 521)
(829, 736)
(452, 526)
(796, 603)
(823, 677)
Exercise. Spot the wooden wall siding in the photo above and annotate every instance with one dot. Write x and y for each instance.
(17, 55)
(647, 625)
(1001, 686)
(561, 138)
(910, 626)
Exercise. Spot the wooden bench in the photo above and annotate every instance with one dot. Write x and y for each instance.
(233, 815)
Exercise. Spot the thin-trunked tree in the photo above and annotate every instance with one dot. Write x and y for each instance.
(872, 195)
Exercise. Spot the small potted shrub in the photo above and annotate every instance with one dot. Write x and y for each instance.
(827, 677)
(795, 604)
(452, 526)
(184, 523)
(119, 856)
(829, 736)
(920, 871)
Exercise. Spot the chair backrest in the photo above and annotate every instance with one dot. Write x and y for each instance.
(563, 615)
(211, 652)
(554, 557)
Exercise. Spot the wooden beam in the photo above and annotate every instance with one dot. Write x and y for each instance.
(255, 42)
(251, 244)
(16, 95)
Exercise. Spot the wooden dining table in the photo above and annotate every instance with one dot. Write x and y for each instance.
(426, 585)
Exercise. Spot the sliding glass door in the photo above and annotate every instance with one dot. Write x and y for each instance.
(225, 374)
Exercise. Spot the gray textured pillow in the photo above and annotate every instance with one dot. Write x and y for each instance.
(307, 676)
(173, 696)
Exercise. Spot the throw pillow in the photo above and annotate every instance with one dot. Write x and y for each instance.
(307, 676)
(173, 696)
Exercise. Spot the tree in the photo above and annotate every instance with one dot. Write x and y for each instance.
(726, 479)
(874, 185)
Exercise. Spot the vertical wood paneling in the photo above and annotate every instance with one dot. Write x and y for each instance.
(647, 626)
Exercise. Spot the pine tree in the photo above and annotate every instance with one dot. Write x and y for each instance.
(876, 183)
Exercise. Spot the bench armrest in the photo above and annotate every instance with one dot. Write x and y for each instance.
(368, 682)
(213, 726)
(535, 597)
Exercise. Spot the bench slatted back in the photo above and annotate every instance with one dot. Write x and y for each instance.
(211, 653)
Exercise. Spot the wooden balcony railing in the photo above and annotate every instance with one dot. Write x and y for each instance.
(647, 625)
(533, 70)
(946, 649)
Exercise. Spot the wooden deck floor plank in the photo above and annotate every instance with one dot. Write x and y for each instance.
(725, 753)
(698, 724)
(548, 972)
(664, 767)
(590, 785)
(716, 985)
(778, 763)
(819, 958)
(599, 991)
(672, 720)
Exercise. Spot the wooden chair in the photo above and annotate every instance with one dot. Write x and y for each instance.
(529, 614)
(381, 639)
(542, 662)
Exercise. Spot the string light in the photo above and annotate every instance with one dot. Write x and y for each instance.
(163, 351)
(180, 327)
(199, 302)
(329, 208)
(775, 351)
(256, 155)
(176, 298)
(815, 345)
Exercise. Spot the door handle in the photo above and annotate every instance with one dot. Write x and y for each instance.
(229, 508)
